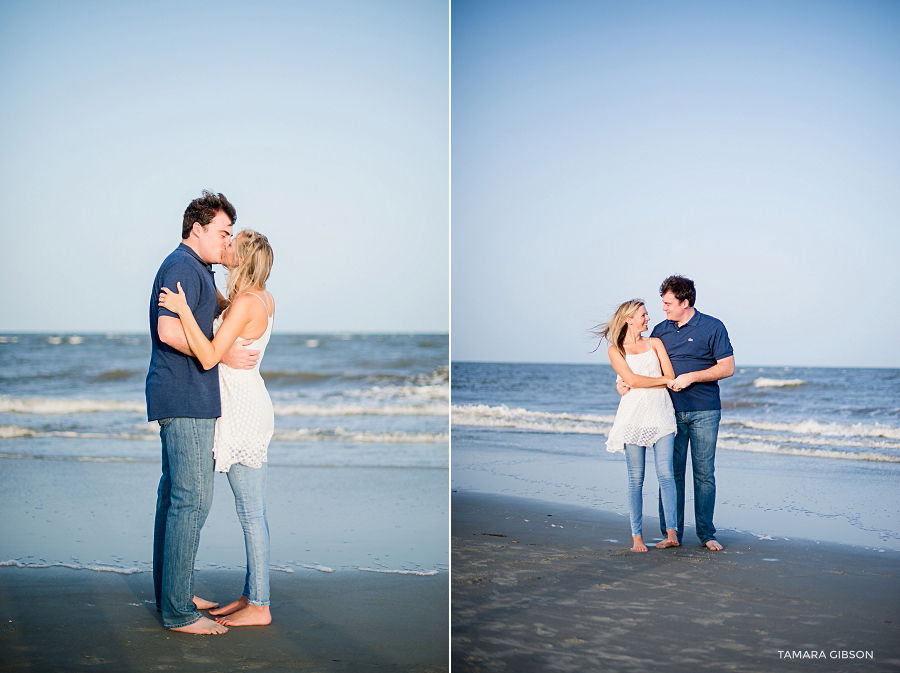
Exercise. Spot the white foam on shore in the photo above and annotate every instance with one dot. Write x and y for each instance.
(762, 447)
(810, 427)
(73, 566)
(421, 573)
(316, 566)
(315, 434)
(65, 405)
(281, 434)
(539, 421)
(432, 409)
(763, 382)
(430, 392)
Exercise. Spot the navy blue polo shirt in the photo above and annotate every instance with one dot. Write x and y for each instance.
(696, 345)
(177, 385)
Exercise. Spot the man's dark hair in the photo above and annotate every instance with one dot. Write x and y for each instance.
(681, 287)
(204, 209)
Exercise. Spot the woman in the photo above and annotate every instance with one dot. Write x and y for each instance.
(645, 417)
(245, 427)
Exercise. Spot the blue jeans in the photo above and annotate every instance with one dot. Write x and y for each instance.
(249, 487)
(634, 461)
(699, 429)
(182, 502)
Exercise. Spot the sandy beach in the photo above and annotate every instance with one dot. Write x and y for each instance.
(542, 586)
(58, 619)
(359, 571)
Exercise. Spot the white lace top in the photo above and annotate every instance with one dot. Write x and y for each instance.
(247, 422)
(645, 414)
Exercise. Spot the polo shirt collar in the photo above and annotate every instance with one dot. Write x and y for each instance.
(692, 322)
(190, 251)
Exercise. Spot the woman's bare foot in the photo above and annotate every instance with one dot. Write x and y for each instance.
(232, 607)
(251, 615)
(203, 604)
(202, 627)
(670, 541)
(713, 545)
(637, 543)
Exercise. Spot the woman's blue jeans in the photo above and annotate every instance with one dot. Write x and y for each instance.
(700, 429)
(634, 460)
(182, 503)
(249, 487)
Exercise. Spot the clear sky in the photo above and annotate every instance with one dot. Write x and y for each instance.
(754, 147)
(325, 123)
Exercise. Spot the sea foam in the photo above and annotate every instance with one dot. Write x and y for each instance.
(763, 382)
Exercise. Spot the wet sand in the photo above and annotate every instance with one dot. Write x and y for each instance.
(58, 619)
(540, 586)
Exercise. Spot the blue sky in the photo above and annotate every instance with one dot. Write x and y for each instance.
(599, 147)
(325, 123)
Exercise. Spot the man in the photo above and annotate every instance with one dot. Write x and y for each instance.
(184, 399)
(701, 354)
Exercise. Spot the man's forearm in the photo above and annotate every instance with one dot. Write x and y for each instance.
(721, 370)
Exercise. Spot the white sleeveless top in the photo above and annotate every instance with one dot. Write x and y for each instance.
(247, 422)
(645, 414)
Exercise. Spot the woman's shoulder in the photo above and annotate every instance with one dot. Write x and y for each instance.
(255, 301)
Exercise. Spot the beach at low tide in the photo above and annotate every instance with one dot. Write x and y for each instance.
(542, 575)
(359, 571)
(357, 505)
(543, 586)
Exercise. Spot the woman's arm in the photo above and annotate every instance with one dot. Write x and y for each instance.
(207, 352)
(634, 380)
(664, 363)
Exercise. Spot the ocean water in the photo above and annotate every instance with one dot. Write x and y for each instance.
(358, 464)
(347, 399)
(802, 451)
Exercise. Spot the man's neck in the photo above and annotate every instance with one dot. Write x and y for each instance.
(687, 317)
(192, 244)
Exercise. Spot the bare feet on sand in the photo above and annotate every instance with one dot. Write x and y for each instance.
(637, 543)
(713, 545)
(251, 615)
(670, 541)
(203, 604)
(202, 627)
(232, 607)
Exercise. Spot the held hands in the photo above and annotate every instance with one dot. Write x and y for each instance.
(679, 383)
(176, 302)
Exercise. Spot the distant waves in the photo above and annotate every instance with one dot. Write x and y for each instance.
(857, 441)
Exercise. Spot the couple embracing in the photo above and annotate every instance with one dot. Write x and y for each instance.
(212, 417)
(686, 353)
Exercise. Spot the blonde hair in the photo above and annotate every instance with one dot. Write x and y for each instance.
(254, 258)
(615, 330)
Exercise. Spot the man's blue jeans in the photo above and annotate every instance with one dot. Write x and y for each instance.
(249, 487)
(699, 429)
(182, 503)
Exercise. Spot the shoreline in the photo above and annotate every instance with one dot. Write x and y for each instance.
(538, 584)
(341, 623)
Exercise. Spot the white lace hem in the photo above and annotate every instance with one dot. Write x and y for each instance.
(636, 435)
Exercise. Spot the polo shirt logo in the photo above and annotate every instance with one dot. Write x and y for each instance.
(689, 339)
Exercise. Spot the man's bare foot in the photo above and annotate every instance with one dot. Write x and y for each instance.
(203, 604)
(713, 545)
(637, 543)
(251, 615)
(232, 607)
(202, 627)
(670, 541)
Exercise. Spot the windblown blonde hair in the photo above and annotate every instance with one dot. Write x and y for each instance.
(615, 330)
(254, 258)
